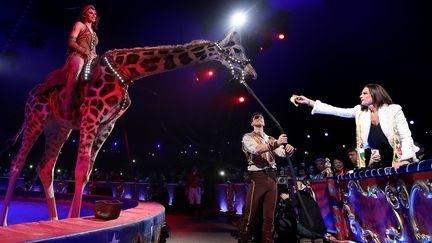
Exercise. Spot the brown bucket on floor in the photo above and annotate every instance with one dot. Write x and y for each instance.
(107, 209)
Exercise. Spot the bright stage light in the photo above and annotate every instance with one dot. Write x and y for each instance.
(238, 19)
(281, 36)
(241, 99)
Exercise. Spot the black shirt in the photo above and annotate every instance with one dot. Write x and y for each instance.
(378, 140)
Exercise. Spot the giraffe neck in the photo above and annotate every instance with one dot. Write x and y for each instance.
(137, 63)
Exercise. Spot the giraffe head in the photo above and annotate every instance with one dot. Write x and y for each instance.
(234, 57)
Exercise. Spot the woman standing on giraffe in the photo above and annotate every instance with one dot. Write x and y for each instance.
(383, 136)
(82, 43)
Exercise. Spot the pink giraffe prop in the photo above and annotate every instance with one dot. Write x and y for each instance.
(104, 98)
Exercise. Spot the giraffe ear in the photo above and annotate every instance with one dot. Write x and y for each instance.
(232, 39)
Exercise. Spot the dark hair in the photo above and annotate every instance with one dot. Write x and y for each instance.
(319, 160)
(256, 114)
(379, 96)
(337, 158)
(351, 150)
(84, 10)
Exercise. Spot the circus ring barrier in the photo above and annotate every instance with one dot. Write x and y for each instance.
(144, 191)
(379, 205)
(138, 222)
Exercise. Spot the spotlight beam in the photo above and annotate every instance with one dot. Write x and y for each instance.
(238, 19)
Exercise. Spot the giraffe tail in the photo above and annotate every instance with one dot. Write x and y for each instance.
(12, 141)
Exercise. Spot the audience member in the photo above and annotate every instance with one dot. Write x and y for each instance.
(194, 183)
(352, 156)
(339, 167)
(304, 228)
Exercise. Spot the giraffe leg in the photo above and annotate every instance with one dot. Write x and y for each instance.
(89, 147)
(102, 135)
(32, 131)
(55, 136)
(82, 169)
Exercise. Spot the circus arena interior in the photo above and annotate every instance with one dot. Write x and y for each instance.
(215, 121)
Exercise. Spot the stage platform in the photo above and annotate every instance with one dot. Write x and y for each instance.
(138, 222)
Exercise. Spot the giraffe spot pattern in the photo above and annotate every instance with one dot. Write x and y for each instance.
(203, 57)
(163, 52)
(105, 111)
(119, 59)
(112, 100)
(150, 63)
(109, 78)
(198, 54)
(179, 50)
(108, 88)
(98, 103)
(43, 99)
(98, 83)
(133, 72)
(169, 62)
(199, 48)
(93, 102)
(38, 107)
(91, 93)
(94, 112)
(152, 68)
(184, 58)
(132, 59)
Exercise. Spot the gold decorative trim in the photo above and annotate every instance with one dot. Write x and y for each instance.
(371, 191)
(393, 233)
(403, 194)
(369, 234)
(357, 229)
(390, 193)
(397, 195)
(426, 188)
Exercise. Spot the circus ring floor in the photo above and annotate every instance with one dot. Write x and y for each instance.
(28, 221)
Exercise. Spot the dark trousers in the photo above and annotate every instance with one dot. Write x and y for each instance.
(262, 191)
